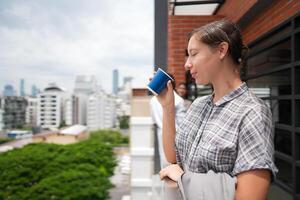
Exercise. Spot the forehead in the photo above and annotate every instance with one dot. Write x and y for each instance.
(194, 43)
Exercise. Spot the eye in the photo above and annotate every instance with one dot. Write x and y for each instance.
(193, 54)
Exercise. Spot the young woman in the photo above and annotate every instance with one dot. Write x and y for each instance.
(228, 131)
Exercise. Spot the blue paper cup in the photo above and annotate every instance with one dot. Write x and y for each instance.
(159, 82)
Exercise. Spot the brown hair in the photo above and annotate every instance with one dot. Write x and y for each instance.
(217, 32)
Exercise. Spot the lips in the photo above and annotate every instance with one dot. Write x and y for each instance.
(194, 74)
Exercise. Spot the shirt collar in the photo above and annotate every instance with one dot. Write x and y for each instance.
(230, 96)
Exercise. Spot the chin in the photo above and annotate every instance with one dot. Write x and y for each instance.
(201, 82)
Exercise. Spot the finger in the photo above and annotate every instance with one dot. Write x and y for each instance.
(162, 174)
(169, 84)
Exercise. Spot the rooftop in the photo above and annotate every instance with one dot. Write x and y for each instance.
(73, 130)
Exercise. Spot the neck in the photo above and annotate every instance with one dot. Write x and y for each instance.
(226, 82)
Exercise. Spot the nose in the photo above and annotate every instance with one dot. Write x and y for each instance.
(187, 65)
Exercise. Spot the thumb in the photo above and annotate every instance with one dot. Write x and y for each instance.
(169, 85)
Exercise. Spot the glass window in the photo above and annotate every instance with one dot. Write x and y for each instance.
(297, 22)
(285, 171)
(297, 113)
(298, 180)
(277, 55)
(283, 141)
(297, 79)
(275, 84)
(282, 111)
(297, 145)
(297, 48)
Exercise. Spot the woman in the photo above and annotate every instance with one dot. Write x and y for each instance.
(228, 131)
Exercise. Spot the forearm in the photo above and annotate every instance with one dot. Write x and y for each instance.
(169, 131)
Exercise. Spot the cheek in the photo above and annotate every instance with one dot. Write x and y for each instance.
(207, 67)
(209, 64)
(203, 64)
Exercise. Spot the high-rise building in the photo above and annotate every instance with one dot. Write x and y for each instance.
(124, 95)
(50, 107)
(13, 111)
(8, 90)
(22, 87)
(34, 91)
(1, 116)
(115, 81)
(84, 86)
(71, 110)
(31, 111)
(101, 111)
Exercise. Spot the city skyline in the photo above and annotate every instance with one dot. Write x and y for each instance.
(54, 41)
(33, 89)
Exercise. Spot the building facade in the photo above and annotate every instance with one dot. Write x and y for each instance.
(101, 111)
(50, 107)
(22, 87)
(115, 81)
(71, 110)
(84, 86)
(1, 117)
(13, 111)
(8, 91)
(31, 111)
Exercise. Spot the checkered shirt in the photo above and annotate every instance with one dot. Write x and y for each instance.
(233, 135)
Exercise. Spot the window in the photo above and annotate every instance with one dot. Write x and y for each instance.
(273, 74)
(277, 55)
(283, 141)
(285, 172)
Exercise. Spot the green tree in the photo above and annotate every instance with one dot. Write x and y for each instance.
(49, 171)
(124, 122)
(112, 137)
(4, 140)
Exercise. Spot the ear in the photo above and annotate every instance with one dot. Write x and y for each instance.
(223, 49)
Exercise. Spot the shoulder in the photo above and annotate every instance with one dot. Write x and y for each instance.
(256, 106)
(255, 114)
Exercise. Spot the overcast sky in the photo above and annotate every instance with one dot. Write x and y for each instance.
(55, 40)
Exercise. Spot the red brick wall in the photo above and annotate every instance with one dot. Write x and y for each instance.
(178, 29)
(274, 14)
(234, 9)
(139, 92)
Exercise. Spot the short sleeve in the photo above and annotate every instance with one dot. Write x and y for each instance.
(255, 148)
(178, 159)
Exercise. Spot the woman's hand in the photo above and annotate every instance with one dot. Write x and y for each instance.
(172, 171)
(166, 97)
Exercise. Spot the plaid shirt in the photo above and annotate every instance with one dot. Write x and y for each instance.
(233, 135)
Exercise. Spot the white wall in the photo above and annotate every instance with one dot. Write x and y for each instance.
(142, 157)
